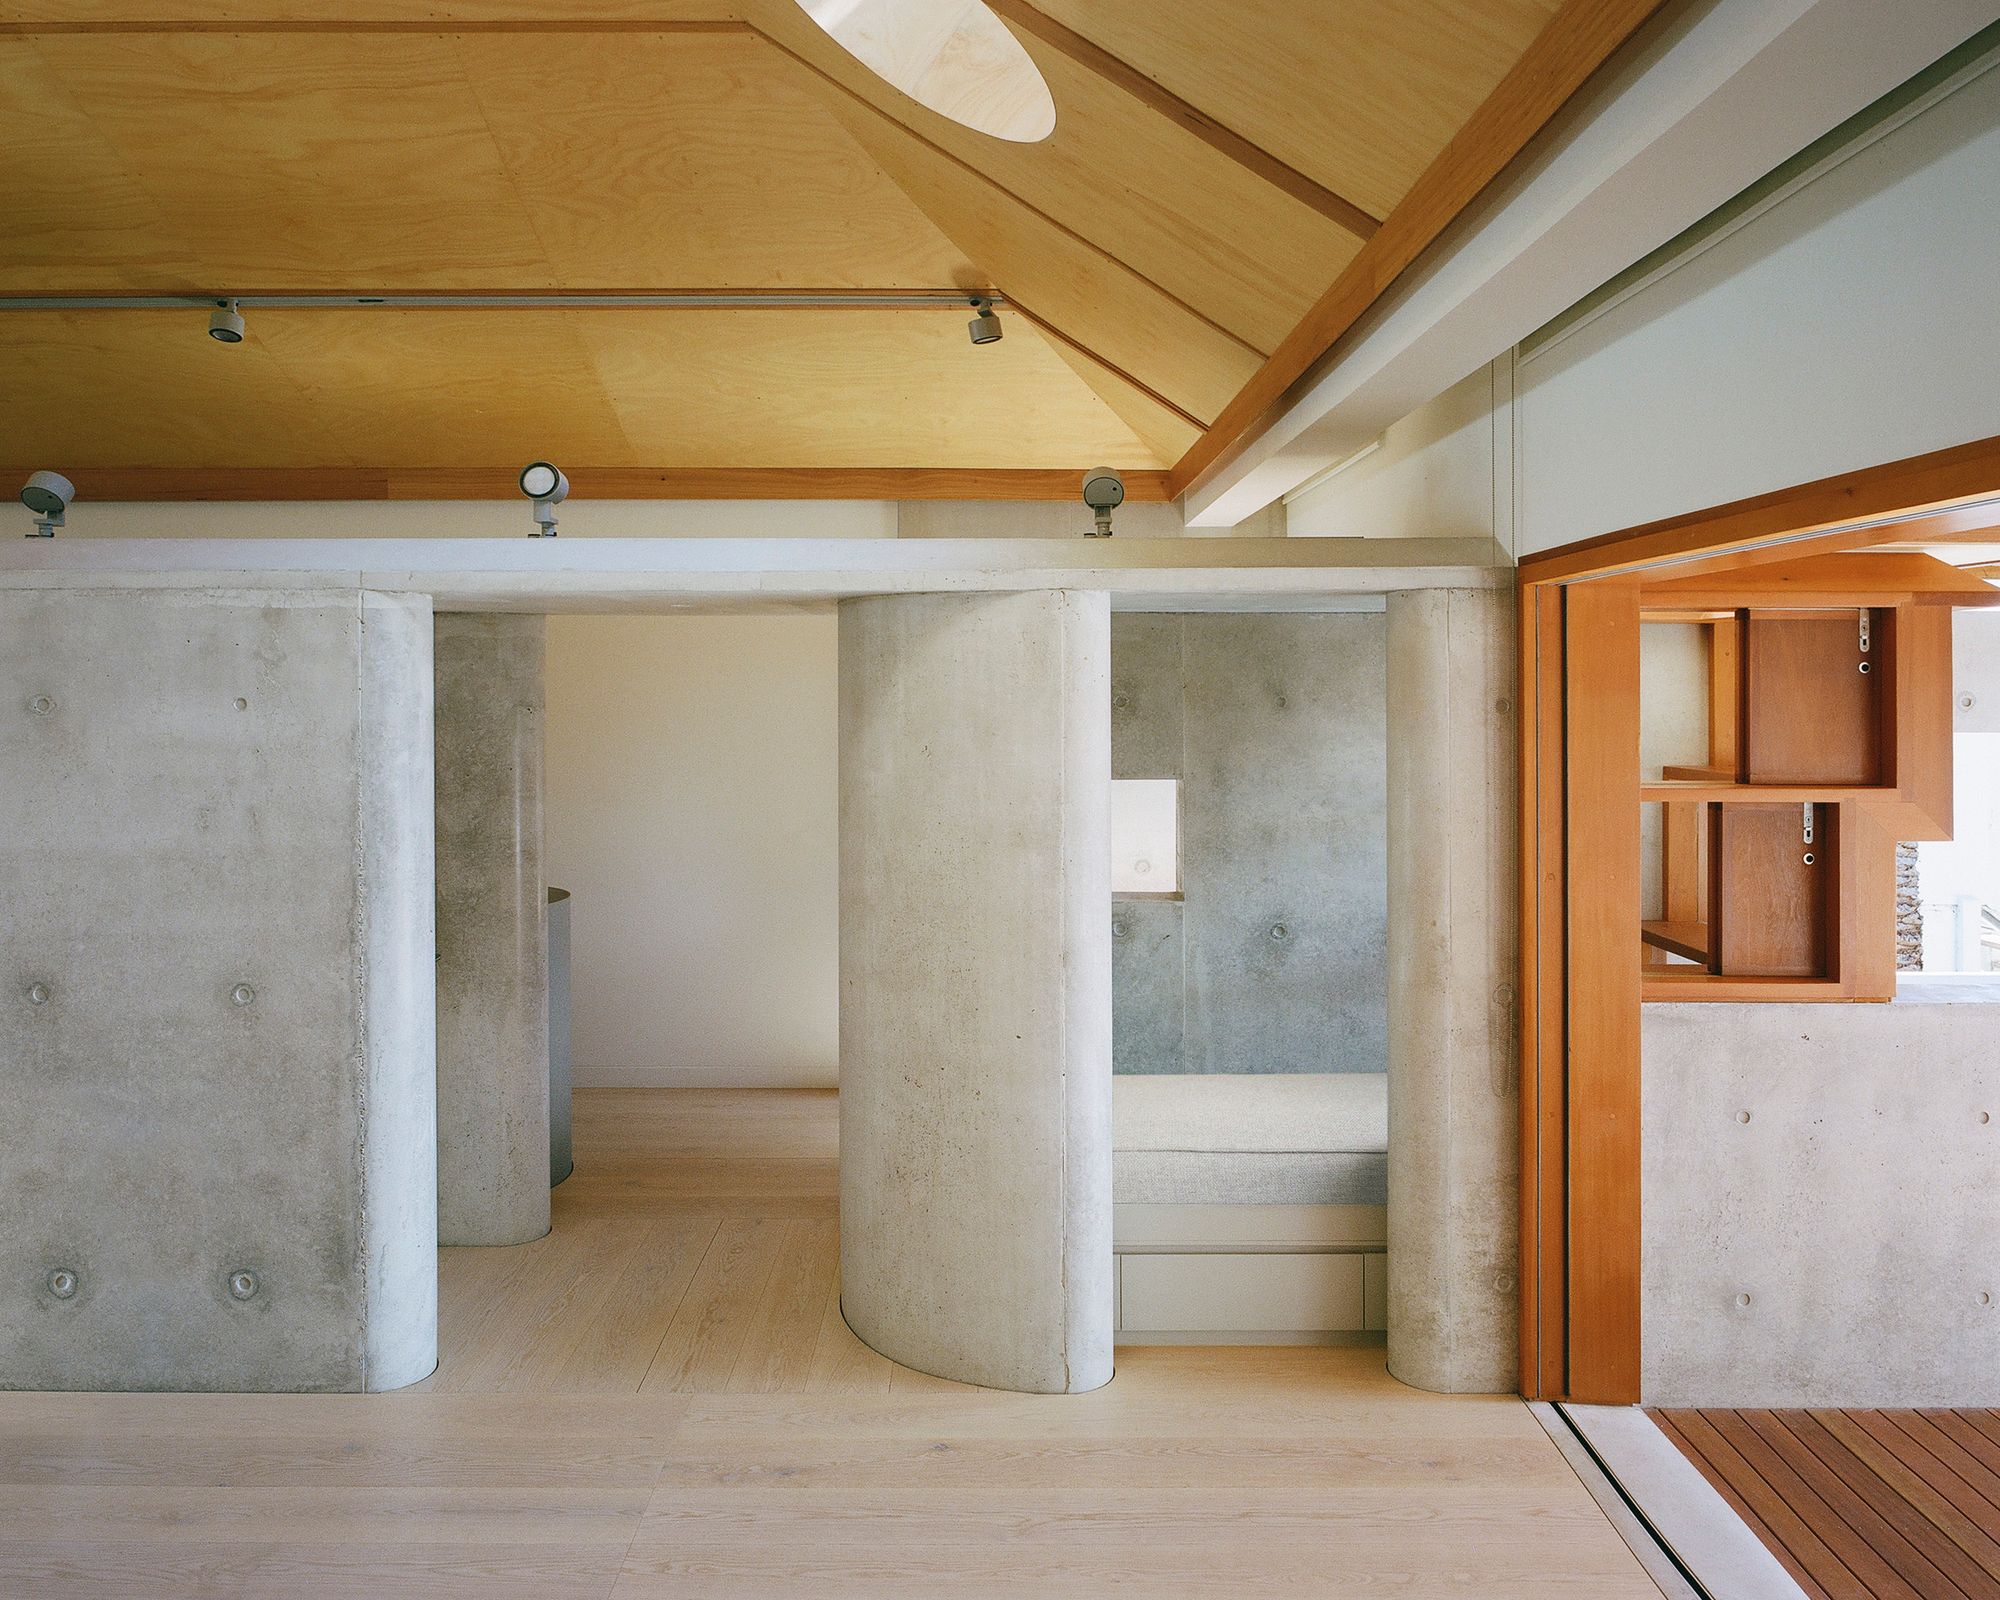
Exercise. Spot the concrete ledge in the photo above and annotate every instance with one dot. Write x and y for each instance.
(544, 575)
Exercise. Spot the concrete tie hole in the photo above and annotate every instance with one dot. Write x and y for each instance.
(63, 1283)
(1742, 1300)
(1742, 1116)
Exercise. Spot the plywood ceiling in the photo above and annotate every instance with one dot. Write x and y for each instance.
(498, 387)
(1215, 173)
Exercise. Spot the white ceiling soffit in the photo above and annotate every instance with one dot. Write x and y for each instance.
(1696, 115)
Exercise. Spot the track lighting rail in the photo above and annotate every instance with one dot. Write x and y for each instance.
(511, 300)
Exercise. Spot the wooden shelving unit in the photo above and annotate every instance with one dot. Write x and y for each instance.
(1829, 741)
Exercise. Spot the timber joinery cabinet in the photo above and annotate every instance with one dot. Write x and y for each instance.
(1829, 741)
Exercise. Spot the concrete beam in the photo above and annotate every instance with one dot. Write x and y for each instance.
(218, 1163)
(492, 933)
(975, 1004)
(579, 575)
(1454, 1085)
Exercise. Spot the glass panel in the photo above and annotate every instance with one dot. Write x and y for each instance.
(954, 56)
(1959, 878)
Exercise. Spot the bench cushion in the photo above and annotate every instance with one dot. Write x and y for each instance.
(1250, 1139)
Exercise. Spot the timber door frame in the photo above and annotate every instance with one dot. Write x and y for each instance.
(1580, 779)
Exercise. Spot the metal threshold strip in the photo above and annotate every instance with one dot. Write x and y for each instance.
(527, 300)
(1686, 1536)
(1623, 1512)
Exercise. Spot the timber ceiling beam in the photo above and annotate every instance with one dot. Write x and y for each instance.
(1149, 92)
(1162, 242)
(1578, 40)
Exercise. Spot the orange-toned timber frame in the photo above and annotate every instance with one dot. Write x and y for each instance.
(1582, 985)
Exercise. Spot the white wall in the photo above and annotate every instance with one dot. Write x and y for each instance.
(1850, 324)
(1673, 732)
(1437, 474)
(692, 810)
(1847, 323)
(631, 519)
(473, 519)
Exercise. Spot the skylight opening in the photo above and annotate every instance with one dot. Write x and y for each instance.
(953, 56)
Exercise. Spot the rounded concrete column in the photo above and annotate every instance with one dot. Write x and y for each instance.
(1454, 1126)
(975, 969)
(492, 932)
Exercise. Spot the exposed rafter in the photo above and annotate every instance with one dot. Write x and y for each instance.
(1156, 95)
(1167, 237)
(1578, 40)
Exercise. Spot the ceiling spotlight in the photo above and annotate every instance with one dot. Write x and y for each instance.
(1104, 493)
(985, 327)
(225, 323)
(543, 483)
(48, 495)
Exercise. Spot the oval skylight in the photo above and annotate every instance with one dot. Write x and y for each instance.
(954, 56)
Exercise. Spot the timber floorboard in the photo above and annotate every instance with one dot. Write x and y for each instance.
(661, 1399)
(1860, 1505)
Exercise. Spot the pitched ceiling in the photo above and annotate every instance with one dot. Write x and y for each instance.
(1168, 255)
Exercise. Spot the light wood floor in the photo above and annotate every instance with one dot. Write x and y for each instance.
(660, 1399)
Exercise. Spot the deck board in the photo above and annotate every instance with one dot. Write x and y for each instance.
(1859, 1504)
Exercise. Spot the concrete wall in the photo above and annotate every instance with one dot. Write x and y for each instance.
(975, 1018)
(693, 809)
(1822, 1205)
(1975, 671)
(1274, 959)
(216, 1045)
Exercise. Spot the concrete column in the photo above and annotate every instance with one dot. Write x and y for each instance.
(1454, 1130)
(975, 970)
(492, 932)
(218, 1157)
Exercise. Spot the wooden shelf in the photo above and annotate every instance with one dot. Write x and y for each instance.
(1763, 794)
(1688, 940)
(1664, 984)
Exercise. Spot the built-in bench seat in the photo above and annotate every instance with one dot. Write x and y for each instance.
(1250, 1207)
(1246, 1139)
